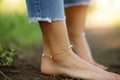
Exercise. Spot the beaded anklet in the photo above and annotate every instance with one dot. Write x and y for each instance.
(58, 53)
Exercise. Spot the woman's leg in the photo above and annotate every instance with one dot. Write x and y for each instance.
(56, 40)
(56, 44)
(76, 17)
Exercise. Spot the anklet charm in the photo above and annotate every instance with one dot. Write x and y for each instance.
(51, 57)
(43, 55)
(83, 34)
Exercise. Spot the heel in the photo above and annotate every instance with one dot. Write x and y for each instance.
(47, 66)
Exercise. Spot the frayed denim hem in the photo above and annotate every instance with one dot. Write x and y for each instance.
(49, 20)
(78, 4)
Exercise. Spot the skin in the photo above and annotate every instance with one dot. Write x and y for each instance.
(55, 39)
(76, 18)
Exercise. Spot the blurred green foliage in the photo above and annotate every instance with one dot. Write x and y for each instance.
(15, 30)
(6, 56)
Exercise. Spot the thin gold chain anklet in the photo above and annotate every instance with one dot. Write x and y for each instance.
(51, 57)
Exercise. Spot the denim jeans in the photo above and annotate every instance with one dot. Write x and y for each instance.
(50, 10)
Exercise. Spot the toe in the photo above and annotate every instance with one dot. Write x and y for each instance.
(101, 66)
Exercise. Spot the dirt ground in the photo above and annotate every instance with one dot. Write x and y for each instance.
(104, 43)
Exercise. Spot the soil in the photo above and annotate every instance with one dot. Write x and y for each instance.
(104, 43)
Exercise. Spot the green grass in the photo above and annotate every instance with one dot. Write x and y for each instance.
(16, 27)
(15, 31)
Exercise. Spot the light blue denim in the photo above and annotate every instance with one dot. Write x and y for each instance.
(50, 10)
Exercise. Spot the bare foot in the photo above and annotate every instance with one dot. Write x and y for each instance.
(71, 65)
(81, 48)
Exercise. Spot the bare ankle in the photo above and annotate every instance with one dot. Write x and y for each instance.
(57, 56)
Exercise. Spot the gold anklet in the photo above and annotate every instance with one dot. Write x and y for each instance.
(51, 57)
